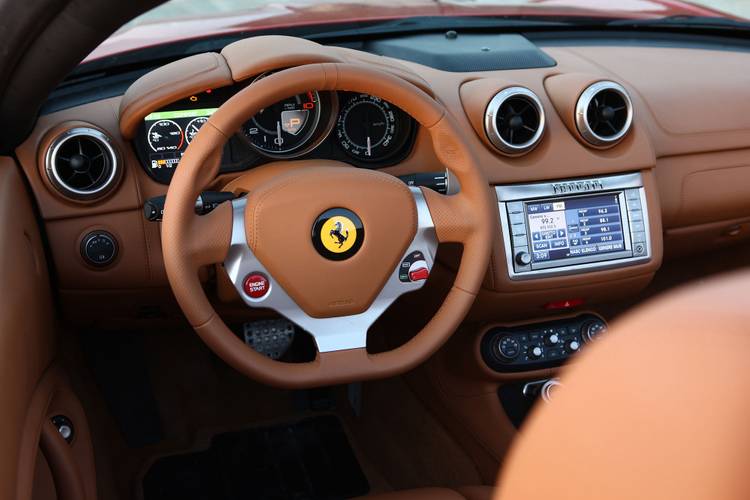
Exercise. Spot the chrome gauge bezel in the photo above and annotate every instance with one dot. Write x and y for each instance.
(316, 135)
(400, 121)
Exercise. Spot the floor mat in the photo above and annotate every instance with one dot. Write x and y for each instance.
(311, 459)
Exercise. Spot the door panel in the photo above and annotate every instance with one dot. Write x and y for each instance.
(32, 389)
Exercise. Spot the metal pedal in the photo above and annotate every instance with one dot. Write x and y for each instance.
(271, 337)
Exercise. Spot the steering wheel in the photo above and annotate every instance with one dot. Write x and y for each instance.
(328, 246)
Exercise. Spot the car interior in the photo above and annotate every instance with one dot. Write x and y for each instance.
(350, 250)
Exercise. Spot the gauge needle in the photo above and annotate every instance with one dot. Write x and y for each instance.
(278, 133)
(369, 146)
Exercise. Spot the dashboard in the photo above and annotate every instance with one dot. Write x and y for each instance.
(360, 129)
(534, 129)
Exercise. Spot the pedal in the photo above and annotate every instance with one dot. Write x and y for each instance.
(271, 338)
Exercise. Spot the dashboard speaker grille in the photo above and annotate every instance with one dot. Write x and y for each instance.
(604, 114)
(82, 164)
(514, 121)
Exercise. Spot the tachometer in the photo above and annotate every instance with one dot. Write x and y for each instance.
(165, 135)
(371, 129)
(193, 127)
(287, 128)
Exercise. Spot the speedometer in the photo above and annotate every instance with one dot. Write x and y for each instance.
(165, 135)
(371, 129)
(287, 128)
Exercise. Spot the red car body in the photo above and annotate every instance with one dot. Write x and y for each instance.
(280, 15)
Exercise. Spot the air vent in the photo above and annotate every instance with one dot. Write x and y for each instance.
(82, 164)
(604, 114)
(514, 121)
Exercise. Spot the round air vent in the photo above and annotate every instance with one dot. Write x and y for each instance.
(514, 120)
(82, 164)
(604, 114)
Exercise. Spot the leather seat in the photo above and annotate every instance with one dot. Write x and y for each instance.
(465, 493)
(657, 409)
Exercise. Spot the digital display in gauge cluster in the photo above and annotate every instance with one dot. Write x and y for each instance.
(168, 134)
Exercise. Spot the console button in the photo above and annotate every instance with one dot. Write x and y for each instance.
(419, 274)
(523, 258)
(99, 248)
(517, 218)
(535, 352)
(592, 329)
(518, 230)
(256, 285)
(632, 194)
(572, 346)
(508, 348)
(413, 268)
(520, 241)
(515, 207)
(552, 338)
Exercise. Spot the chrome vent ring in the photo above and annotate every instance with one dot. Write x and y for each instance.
(604, 114)
(82, 164)
(514, 120)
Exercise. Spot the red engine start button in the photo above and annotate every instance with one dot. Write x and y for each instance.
(256, 285)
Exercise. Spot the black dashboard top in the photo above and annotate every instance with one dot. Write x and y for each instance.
(465, 52)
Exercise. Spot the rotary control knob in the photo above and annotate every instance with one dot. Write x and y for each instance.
(592, 329)
(99, 248)
(523, 258)
(508, 348)
(552, 339)
(535, 352)
(572, 346)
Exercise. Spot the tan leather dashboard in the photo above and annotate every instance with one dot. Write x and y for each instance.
(690, 130)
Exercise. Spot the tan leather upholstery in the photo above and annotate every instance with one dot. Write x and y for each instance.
(466, 218)
(658, 409)
(467, 493)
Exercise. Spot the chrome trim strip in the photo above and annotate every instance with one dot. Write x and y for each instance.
(582, 106)
(335, 333)
(490, 124)
(590, 185)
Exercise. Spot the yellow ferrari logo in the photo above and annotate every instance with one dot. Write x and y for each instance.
(338, 234)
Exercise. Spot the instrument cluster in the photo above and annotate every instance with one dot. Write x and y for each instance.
(359, 129)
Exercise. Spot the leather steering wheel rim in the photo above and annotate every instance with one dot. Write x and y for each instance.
(190, 241)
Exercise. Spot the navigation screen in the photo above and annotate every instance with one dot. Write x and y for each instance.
(575, 227)
(168, 134)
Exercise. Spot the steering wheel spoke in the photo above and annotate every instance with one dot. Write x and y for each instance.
(258, 288)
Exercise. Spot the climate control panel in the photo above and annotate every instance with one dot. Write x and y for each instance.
(539, 345)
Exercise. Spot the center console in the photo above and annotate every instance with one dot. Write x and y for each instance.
(539, 345)
(571, 227)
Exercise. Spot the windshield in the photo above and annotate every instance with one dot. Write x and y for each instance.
(187, 9)
(178, 20)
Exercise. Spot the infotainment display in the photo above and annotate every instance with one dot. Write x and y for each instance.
(575, 227)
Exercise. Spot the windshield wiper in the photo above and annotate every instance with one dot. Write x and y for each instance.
(682, 22)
